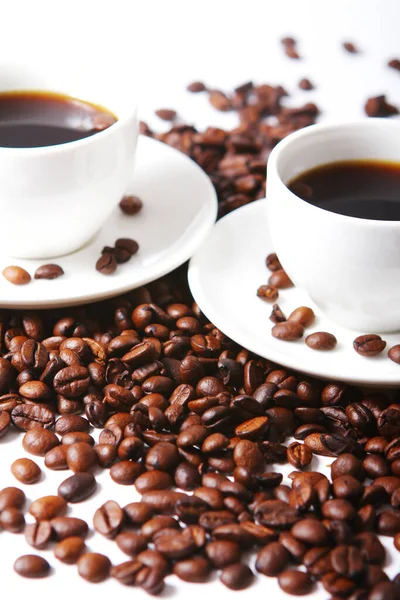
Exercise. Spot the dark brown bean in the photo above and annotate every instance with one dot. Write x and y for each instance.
(125, 472)
(237, 576)
(39, 441)
(288, 331)
(131, 543)
(48, 271)
(272, 559)
(64, 527)
(78, 487)
(12, 519)
(194, 570)
(38, 534)
(47, 508)
(279, 279)
(297, 583)
(81, 457)
(108, 519)
(222, 553)
(131, 205)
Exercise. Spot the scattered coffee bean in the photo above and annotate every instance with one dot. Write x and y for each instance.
(78, 487)
(94, 567)
(297, 583)
(394, 354)
(108, 519)
(106, 264)
(31, 566)
(321, 340)
(280, 280)
(11, 497)
(268, 292)
(64, 527)
(369, 344)
(16, 275)
(12, 519)
(131, 205)
(38, 534)
(48, 507)
(127, 244)
(350, 47)
(166, 114)
(39, 441)
(50, 271)
(69, 550)
(277, 315)
(272, 262)
(194, 570)
(25, 470)
(379, 107)
(195, 87)
(305, 84)
(288, 331)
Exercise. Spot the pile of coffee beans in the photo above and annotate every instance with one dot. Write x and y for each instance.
(146, 387)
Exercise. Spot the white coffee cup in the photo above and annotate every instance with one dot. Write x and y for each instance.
(53, 199)
(350, 267)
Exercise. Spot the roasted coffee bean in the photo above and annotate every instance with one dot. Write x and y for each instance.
(222, 553)
(162, 501)
(277, 315)
(47, 508)
(106, 264)
(26, 471)
(194, 570)
(125, 472)
(279, 279)
(138, 513)
(347, 464)
(350, 47)
(64, 527)
(369, 345)
(347, 561)
(32, 566)
(268, 292)
(389, 522)
(302, 316)
(336, 584)
(131, 543)
(39, 441)
(321, 340)
(94, 567)
(288, 331)
(375, 466)
(237, 576)
(388, 422)
(16, 275)
(29, 416)
(130, 205)
(78, 487)
(347, 487)
(394, 353)
(158, 523)
(81, 457)
(310, 531)
(12, 519)
(38, 534)
(385, 590)
(295, 582)
(276, 514)
(338, 510)
(56, 458)
(69, 550)
(377, 106)
(305, 84)
(299, 455)
(72, 382)
(48, 271)
(296, 548)
(108, 519)
(74, 437)
(153, 480)
(175, 546)
(302, 497)
(272, 559)
(186, 476)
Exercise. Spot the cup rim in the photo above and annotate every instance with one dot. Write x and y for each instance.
(64, 147)
(327, 128)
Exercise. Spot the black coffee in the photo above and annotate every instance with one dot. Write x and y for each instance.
(29, 119)
(368, 189)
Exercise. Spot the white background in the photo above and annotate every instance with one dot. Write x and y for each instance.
(156, 48)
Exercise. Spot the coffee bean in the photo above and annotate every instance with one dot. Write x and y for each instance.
(131, 205)
(248, 455)
(39, 441)
(303, 316)
(94, 567)
(131, 543)
(29, 416)
(389, 522)
(127, 244)
(16, 275)
(137, 513)
(288, 331)
(295, 582)
(48, 507)
(194, 570)
(279, 279)
(5, 421)
(78, 487)
(321, 340)
(32, 566)
(166, 114)
(69, 550)
(81, 457)
(272, 559)
(64, 527)
(299, 455)
(195, 87)
(305, 84)
(222, 553)
(48, 271)
(73, 437)
(11, 497)
(350, 47)
(56, 458)
(268, 292)
(394, 353)
(347, 486)
(25, 470)
(126, 572)
(335, 584)
(12, 519)
(310, 531)
(237, 576)
(125, 472)
(369, 345)
(38, 534)
(71, 382)
(106, 264)
(277, 315)
(108, 519)
(385, 590)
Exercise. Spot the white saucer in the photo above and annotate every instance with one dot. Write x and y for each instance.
(179, 208)
(224, 275)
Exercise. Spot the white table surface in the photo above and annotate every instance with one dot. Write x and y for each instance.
(158, 47)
